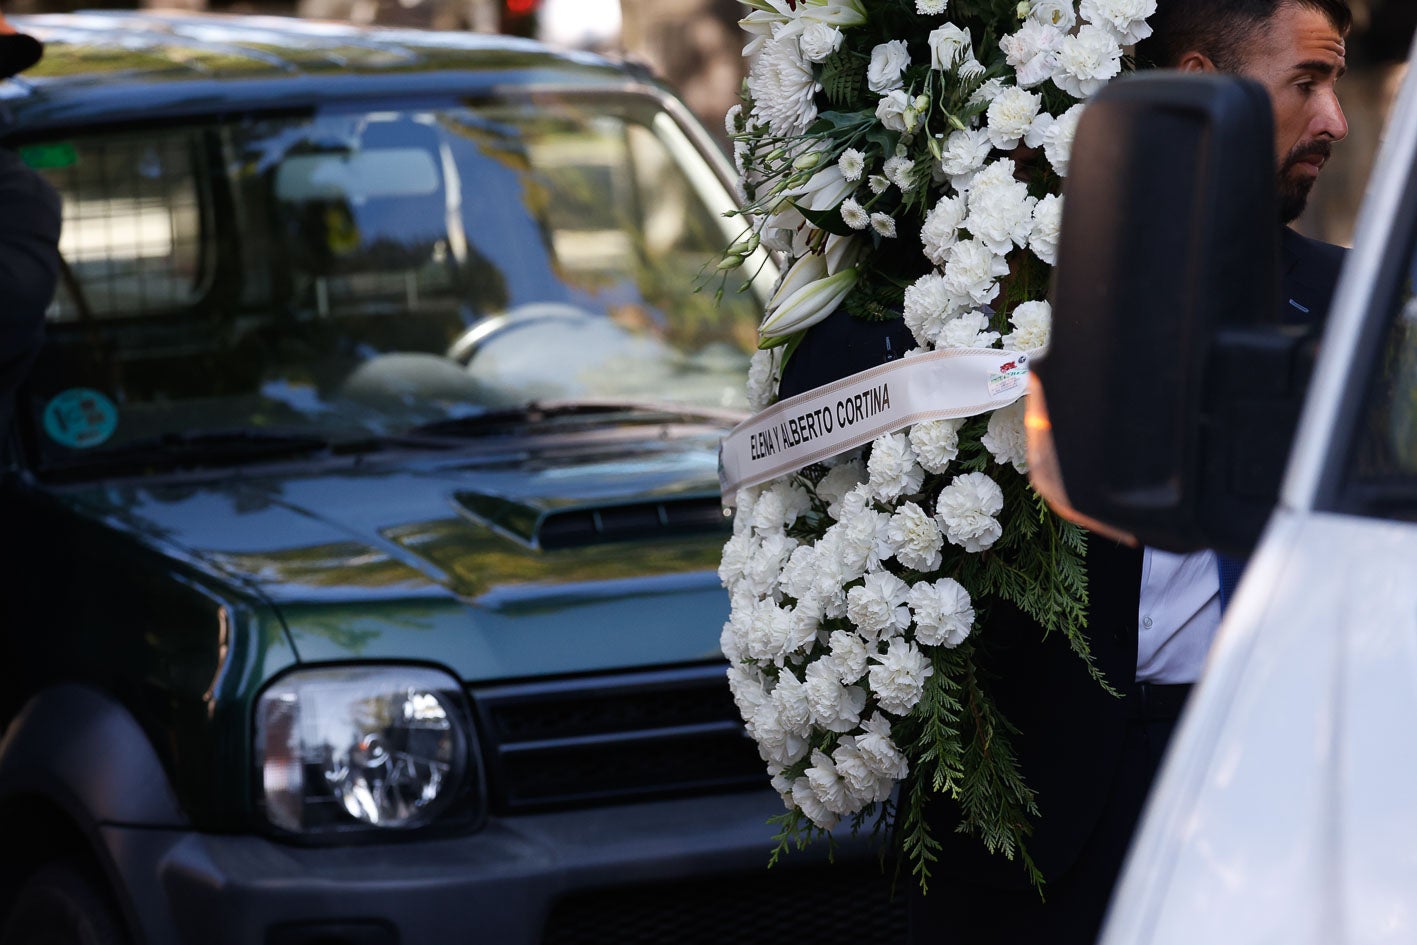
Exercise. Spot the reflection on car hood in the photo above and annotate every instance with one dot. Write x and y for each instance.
(443, 558)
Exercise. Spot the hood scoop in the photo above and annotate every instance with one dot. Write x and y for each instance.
(553, 529)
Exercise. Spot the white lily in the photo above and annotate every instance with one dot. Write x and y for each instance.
(767, 15)
(838, 13)
(807, 269)
(840, 252)
(807, 306)
(824, 190)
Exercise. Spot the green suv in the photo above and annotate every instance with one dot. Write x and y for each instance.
(361, 518)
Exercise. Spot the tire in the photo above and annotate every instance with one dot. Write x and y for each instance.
(61, 904)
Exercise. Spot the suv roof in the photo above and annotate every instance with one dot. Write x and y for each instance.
(114, 66)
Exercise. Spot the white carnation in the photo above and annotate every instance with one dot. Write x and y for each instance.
(749, 689)
(879, 751)
(1124, 19)
(847, 654)
(768, 556)
(888, 63)
(878, 606)
(936, 443)
(783, 88)
(1032, 52)
(1055, 13)
(1032, 323)
(1007, 438)
(1047, 227)
(769, 629)
(776, 744)
(861, 779)
(944, 614)
(940, 231)
(811, 805)
(1058, 139)
(762, 378)
(838, 481)
(852, 163)
(1000, 209)
(970, 330)
(737, 556)
(780, 505)
(898, 678)
(836, 707)
(972, 271)
(964, 153)
(1010, 115)
(1087, 59)
(828, 786)
(949, 45)
(988, 91)
(966, 509)
(819, 40)
(799, 574)
(916, 538)
(832, 574)
(929, 305)
(892, 467)
(863, 540)
(789, 697)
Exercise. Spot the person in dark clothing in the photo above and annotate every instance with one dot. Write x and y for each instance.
(29, 242)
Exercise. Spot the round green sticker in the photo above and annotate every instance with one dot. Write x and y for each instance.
(79, 418)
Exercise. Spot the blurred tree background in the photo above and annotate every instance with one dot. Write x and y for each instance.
(695, 46)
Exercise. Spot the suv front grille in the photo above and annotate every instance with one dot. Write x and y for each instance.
(605, 739)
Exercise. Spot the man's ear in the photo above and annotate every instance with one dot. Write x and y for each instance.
(1195, 61)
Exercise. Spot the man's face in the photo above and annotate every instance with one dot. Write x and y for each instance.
(1298, 58)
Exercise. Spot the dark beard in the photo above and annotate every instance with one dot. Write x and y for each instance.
(1294, 194)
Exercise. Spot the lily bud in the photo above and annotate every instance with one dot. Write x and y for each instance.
(807, 306)
(729, 263)
(744, 247)
(807, 269)
(805, 162)
(956, 124)
(838, 13)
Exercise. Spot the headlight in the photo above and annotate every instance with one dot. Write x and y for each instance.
(347, 748)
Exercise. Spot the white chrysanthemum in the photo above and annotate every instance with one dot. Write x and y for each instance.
(929, 305)
(847, 655)
(853, 214)
(878, 184)
(732, 120)
(970, 330)
(879, 751)
(944, 614)
(901, 172)
(892, 467)
(840, 480)
(1000, 209)
(835, 707)
(828, 786)
(1055, 13)
(861, 779)
(1086, 60)
(1058, 139)
(852, 164)
(762, 378)
(883, 224)
(964, 154)
(776, 744)
(940, 231)
(1010, 115)
(878, 607)
(973, 270)
(1007, 438)
(811, 805)
(966, 508)
(949, 46)
(916, 538)
(1124, 19)
(819, 40)
(783, 88)
(891, 111)
(1047, 228)
(888, 63)
(1032, 323)
(936, 443)
(1032, 52)
(898, 678)
(931, 7)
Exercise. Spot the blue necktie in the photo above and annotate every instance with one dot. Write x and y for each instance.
(1230, 570)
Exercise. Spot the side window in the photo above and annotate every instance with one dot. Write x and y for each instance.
(132, 232)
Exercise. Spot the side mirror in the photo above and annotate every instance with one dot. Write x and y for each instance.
(1170, 391)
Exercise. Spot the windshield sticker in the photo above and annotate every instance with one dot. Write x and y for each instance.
(79, 418)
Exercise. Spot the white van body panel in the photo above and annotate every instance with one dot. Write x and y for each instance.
(1285, 812)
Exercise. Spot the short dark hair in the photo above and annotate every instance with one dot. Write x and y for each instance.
(1221, 29)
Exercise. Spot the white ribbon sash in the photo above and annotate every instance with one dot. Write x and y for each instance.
(851, 412)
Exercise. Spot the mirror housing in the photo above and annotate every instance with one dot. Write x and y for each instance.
(1172, 387)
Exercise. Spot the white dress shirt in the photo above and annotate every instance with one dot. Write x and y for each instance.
(1178, 615)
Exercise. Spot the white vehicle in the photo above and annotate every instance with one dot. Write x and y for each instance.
(1285, 810)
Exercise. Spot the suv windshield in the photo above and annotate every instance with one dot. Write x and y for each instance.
(347, 274)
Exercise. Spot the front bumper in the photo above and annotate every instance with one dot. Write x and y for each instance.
(500, 885)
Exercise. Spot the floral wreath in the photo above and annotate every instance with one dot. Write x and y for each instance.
(858, 583)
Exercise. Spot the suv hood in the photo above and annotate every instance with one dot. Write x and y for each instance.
(595, 546)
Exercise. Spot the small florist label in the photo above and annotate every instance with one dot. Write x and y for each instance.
(851, 412)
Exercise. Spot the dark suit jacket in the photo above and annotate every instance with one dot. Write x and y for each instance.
(1070, 729)
(29, 269)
